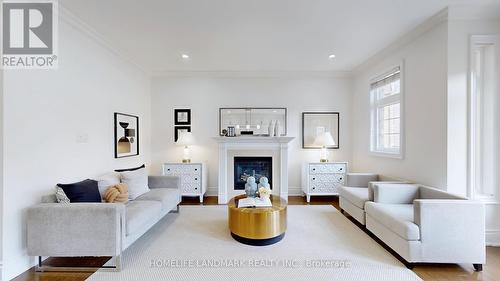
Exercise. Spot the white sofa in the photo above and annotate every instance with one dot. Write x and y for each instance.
(427, 225)
(97, 229)
(358, 191)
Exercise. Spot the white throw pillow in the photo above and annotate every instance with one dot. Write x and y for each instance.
(107, 180)
(137, 182)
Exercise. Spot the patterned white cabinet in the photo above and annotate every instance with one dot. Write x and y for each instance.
(323, 178)
(193, 177)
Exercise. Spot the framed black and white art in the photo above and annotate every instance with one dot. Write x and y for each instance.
(126, 135)
(317, 123)
(182, 117)
(179, 129)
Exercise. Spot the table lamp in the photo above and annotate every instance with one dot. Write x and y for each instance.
(324, 139)
(185, 139)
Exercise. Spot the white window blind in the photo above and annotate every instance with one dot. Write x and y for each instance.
(385, 95)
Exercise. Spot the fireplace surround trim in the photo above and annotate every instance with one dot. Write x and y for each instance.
(277, 144)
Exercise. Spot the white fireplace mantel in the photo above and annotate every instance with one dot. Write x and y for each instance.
(278, 144)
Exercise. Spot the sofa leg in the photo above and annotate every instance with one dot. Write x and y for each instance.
(176, 210)
(478, 267)
(409, 265)
(118, 263)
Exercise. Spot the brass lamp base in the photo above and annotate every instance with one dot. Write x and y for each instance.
(186, 160)
(323, 160)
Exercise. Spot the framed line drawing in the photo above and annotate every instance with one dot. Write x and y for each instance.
(179, 129)
(182, 116)
(316, 123)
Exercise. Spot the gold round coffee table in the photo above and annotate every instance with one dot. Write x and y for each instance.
(257, 226)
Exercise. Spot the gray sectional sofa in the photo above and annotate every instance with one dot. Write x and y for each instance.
(421, 224)
(98, 229)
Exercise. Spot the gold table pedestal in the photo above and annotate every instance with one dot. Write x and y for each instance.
(257, 226)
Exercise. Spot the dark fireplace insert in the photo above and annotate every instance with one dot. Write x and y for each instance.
(255, 166)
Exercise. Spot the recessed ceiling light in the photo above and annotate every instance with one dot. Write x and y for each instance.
(185, 56)
(331, 56)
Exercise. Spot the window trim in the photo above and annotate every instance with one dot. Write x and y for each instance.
(471, 121)
(373, 111)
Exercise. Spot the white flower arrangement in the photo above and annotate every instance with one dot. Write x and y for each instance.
(264, 192)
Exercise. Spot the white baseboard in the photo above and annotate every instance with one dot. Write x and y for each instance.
(212, 191)
(292, 191)
(493, 237)
(295, 191)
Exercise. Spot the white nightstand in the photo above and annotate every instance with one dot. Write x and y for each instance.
(323, 178)
(193, 177)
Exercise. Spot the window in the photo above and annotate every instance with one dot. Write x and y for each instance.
(386, 114)
(483, 160)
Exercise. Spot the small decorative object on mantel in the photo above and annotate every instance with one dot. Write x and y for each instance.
(315, 124)
(271, 129)
(277, 129)
(126, 135)
(251, 187)
(231, 132)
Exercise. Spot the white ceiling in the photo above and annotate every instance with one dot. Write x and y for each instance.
(253, 35)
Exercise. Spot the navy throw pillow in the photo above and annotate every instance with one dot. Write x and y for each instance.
(80, 192)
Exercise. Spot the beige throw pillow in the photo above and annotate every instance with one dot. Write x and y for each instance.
(116, 194)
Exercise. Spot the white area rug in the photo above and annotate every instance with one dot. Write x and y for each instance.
(320, 244)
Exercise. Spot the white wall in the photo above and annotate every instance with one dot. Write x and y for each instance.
(459, 33)
(425, 111)
(45, 111)
(205, 95)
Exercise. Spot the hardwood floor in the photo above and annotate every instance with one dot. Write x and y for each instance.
(428, 272)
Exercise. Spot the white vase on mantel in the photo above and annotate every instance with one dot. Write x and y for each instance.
(271, 129)
(277, 129)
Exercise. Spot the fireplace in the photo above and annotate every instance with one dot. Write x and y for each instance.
(275, 148)
(255, 166)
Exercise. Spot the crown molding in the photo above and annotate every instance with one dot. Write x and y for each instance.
(253, 74)
(430, 23)
(68, 17)
(468, 12)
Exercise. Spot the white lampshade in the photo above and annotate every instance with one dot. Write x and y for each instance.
(324, 139)
(185, 139)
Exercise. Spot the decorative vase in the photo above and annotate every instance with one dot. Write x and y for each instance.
(251, 187)
(277, 129)
(271, 129)
(264, 188)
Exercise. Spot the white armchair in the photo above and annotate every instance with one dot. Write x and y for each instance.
(427, 225)
(358, 191)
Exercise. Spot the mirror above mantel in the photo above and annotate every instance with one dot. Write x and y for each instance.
(252, 121)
